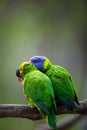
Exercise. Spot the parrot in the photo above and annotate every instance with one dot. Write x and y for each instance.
(62, 82)
(38, 91)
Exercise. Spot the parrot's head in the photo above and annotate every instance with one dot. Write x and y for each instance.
(23, 69)
(42, 63)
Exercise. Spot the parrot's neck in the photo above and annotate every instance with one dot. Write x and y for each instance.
(47, 66)
(29, 68)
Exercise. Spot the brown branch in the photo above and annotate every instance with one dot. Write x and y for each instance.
(67, 123)
(19, 111)
(70, 121)
(25, 111)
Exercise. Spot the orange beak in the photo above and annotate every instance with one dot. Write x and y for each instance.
(29, 62)
(20, 80)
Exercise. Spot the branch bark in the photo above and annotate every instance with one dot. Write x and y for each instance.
(25, 111)
(64, 125)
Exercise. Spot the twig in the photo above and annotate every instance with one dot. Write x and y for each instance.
(25, 111)
(67, 123)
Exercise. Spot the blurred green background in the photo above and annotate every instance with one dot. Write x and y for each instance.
(56, 29)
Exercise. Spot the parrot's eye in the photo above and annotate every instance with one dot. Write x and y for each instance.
(17, 73)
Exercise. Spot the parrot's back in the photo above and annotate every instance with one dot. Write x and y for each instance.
(61, 81)
(63, 86)
(38, 87)
(39, 84)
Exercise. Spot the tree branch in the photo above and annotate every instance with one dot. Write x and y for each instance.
(67, 123)
(25, 111)
(70, 121)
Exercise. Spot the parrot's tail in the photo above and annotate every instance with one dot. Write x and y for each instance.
(51, 120)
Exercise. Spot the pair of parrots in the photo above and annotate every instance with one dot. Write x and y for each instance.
(46, 84)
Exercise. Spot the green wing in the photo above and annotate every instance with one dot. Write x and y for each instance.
(38, 87)
(63, 86)
(42, 106)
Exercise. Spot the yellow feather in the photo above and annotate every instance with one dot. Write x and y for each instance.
(46, 62)
(46, 118)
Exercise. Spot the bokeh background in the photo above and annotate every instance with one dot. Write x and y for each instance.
(56, 29)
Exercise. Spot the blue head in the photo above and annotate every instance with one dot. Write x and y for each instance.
(40, 62)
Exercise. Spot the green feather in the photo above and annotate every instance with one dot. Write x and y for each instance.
(41, 104)
(51, 121)
(61, 80)
(38, 89)
(63, 86)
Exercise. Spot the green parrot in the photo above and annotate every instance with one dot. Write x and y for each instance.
(61, 81)
(38, 90)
